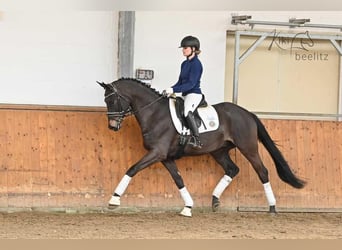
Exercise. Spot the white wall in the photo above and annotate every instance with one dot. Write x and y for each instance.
(55, 58)
(157, 38)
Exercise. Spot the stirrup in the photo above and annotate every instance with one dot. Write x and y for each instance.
(195, 142)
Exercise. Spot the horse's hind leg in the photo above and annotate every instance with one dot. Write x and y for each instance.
(230, 169)
(253, 157)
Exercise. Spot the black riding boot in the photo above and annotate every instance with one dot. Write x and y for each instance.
(194, 140)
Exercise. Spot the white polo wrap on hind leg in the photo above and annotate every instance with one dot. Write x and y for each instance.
(269, 194)
(186, 197)
(222, 185)
(120, 189)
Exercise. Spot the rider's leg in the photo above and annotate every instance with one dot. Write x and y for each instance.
(191, 101)
(194, 141)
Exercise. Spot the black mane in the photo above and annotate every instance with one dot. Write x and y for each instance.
(137, 81)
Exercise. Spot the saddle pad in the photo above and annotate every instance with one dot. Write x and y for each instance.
(208, 115)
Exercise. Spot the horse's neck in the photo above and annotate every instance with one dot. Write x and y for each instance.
(142, 99)
(145, 105)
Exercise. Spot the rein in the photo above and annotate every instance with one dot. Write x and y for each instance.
(147, 105)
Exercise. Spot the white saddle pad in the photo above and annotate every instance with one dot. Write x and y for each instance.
(208, 115)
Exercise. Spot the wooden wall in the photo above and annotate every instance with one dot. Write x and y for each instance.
(60, 157)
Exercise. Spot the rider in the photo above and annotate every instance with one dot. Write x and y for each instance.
(189, 84)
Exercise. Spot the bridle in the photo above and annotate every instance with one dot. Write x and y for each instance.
(122, 113)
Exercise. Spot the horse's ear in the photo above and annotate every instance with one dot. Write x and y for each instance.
(102, 84)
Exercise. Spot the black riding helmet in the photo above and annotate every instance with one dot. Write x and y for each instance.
(190, 41)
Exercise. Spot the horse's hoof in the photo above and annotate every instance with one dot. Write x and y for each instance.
(215, 204)
(186, 212)
(114, 202)
(272, 210)
(111, 207)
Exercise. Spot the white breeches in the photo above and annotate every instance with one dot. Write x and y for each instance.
(191, 101)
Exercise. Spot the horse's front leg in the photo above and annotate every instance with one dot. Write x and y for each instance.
(173, 170)
(150, 158)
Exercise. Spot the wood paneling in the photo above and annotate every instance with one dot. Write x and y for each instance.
(60, 157)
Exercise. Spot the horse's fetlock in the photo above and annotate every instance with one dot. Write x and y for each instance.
(233, 172)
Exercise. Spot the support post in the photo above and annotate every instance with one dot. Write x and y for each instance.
(340, 87)
(126, 43)
(236, 67)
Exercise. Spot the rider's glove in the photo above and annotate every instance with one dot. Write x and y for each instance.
(167, 92)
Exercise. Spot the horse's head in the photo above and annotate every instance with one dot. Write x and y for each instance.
(118, 107)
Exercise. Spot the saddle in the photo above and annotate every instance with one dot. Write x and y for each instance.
(205, 115)
(206, 119)
(179, 105)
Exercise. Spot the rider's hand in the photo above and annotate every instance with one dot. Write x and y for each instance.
(167, 92)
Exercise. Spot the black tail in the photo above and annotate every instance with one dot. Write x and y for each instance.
(282, 166)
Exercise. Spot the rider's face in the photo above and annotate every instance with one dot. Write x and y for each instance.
(187, 51)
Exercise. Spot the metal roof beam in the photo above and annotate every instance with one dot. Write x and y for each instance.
(302, 35)
(292, 23)
(337, 46)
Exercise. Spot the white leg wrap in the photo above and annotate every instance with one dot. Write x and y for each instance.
(186, 197)
(186, 212)
(269, 194)
(114, 201)
(120, 189)
(221, 186)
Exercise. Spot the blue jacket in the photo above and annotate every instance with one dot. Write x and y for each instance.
(189, 77)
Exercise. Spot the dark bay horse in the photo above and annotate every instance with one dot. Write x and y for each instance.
(238, 128)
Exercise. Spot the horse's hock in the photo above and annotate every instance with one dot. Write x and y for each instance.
(59, 157)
